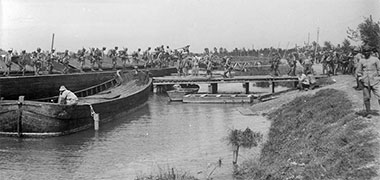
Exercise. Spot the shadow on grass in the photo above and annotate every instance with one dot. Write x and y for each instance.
(316, 137)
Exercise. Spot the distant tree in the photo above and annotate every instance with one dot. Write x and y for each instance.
(328, 45)
(245, 139)
(346, 45)
(368, 32)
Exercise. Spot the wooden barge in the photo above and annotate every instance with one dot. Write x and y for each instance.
(96, 105)
(36, 87)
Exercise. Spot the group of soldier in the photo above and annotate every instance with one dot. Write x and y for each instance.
(44, 60)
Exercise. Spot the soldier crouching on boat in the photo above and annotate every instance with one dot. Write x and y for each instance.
(67, 97)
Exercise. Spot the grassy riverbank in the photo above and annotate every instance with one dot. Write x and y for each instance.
(315, 137)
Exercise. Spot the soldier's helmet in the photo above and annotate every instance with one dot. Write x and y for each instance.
(52, 49)
(23, 51)
(357, 49)
(10, 50)
(104, 48)
(116, 47)
(66, 51)
(38, 49)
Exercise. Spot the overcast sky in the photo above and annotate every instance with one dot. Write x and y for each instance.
(28, 24)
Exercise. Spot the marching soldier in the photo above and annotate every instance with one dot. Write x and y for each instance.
(65, 62)
(93, 58)
(227, 67)
(123, 54)
(136, 56)
(275, 62)
(37, 61)
(113, 55)
(81, 58)
(51, 57)
(8, 62)
(22, 62)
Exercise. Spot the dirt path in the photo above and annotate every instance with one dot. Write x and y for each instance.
(344, 83)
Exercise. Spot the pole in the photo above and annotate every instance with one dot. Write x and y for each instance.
(52, 42)
(308, 39)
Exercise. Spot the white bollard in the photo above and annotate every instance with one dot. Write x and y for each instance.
(96, 121)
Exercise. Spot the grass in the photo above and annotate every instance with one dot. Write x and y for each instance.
(315, 137)
(169, 174)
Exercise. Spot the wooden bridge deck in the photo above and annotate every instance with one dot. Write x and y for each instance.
(237, 79)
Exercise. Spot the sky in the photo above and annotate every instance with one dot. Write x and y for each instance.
(28, 24)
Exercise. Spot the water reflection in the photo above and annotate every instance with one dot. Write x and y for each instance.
(189, 137)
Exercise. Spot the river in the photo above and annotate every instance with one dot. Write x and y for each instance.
(151, 139)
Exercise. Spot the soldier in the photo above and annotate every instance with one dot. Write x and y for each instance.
(146, 56)
(51, 57)
(275, 62)
(123, 54)
(93, 58)
(100, 55)
(368, 73)
(136, 56)
(227, 67)
(66, 97)
(113, 55)
(308, 63)
(209, 67)
(22, 62)
(65, 62)
(8, 62)
(195, 66)
(357, 56)
(81, 58)
(37, 61)
(292, 65)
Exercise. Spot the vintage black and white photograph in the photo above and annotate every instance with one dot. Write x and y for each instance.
(189, 90)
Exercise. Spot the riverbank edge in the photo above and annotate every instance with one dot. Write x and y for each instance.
(262, 169)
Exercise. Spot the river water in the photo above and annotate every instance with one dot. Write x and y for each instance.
(149, 140)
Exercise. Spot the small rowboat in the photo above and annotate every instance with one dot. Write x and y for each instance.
(182, 90)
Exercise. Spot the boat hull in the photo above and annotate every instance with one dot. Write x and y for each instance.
(32, 118)
(37, 87)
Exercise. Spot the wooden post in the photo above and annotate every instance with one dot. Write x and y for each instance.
(52, 42)
(19, 122)
(247, 88)
(272, 83)
(96, 121)
(213, 88)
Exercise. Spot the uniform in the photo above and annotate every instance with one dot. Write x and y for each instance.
(65, 62)
(368, 72)
(67, 97)
(8, 62)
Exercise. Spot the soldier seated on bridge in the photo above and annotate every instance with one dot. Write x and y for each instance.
(67, 97)
(306, 81)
